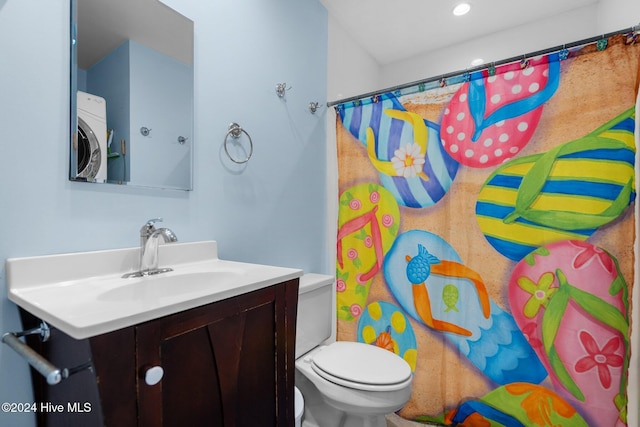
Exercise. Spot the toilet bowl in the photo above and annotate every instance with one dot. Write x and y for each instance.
(344, 384)
(375, 383)
(298, 407)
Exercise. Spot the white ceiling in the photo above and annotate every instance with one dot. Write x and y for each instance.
(389, 30)
(104, 25)
(393, 30)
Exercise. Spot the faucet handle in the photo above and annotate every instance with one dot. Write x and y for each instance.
(149, 226)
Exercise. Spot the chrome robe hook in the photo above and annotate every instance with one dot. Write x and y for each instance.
(281, 88)
(313, 107)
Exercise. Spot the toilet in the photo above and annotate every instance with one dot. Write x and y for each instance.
(344, 384)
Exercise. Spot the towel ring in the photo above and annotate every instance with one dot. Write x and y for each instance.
(235, 131)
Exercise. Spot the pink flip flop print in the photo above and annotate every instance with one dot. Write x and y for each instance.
(491, 118)
(570, 301)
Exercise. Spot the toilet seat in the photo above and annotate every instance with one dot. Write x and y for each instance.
(362, 367)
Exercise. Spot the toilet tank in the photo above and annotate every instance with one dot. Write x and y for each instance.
(315, 312)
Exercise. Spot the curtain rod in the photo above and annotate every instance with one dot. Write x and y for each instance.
(486, 65)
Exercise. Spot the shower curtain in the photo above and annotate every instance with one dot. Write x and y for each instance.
(486, 234)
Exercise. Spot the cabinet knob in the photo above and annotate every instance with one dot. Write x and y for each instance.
(153, 375)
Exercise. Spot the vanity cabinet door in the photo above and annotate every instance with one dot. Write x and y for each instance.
(224, 364)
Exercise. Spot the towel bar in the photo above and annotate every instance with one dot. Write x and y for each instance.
(53, 374)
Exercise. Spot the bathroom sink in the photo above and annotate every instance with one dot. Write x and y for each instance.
(84, 294)
(169, 285)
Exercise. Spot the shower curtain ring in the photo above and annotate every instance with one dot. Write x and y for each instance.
(564, 53)
(602, 43)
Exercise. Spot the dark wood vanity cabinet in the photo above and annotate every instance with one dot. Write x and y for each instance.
(229, 363)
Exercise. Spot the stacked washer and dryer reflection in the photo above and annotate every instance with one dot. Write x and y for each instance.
(92, 137)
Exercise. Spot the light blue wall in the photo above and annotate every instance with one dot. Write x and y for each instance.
(110, 79)
(82, 80)
(272, 211)
(145, 88)
(161, 100)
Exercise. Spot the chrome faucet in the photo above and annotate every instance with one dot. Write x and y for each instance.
(149, 236)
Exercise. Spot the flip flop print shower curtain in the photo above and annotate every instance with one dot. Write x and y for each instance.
(485, 235)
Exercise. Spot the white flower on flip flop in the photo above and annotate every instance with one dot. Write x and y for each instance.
(408, 160)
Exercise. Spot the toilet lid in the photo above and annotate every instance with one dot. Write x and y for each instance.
(361, 366)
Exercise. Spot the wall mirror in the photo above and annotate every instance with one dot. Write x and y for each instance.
(131, 94)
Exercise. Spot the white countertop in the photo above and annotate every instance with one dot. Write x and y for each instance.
(84, 294)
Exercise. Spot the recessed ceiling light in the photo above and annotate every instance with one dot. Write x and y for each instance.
(461, 9)
(477, 61)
